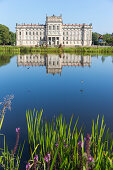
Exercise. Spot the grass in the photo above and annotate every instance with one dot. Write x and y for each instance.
(18, 50)
(60, 147)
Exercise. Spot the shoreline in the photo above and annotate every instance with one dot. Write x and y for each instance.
(19, 50)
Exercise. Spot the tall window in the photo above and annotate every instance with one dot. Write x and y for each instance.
(29, 33)
(67, 33)
(53, 27)
(33, 33)
(87, 35)
(36, 33)
(63, 33)
(26, 33)
(77, 35)
(20, 33)
(49, 27)
(57, 27)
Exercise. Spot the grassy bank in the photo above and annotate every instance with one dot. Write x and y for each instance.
(55, 49)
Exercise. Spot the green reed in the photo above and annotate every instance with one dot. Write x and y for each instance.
(43, 49)
(59, 146)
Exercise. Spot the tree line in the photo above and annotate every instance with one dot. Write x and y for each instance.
(107, 39)
(6, 36)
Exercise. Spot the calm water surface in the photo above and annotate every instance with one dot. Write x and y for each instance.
(67, 84)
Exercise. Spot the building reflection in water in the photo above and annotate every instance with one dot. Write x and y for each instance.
(53, 62)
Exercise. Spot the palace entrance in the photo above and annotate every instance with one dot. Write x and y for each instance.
(53, 41)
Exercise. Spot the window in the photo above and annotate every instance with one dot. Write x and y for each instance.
(63, 42)
(49, 27)
(66, 38)
(77, 35)
(58, 27)
(63, 38)
(26, 33)
(66, 42)
(67, 33)
(53, 27)
(20, 33)
(40, 38)
(36, 33)
(33, 33)
(29, 33)
(40, 33)
(63, 33)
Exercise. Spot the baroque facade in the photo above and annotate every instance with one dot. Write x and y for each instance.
(54, 33)
(54, 63)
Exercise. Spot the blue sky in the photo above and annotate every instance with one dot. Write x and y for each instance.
(97, 12)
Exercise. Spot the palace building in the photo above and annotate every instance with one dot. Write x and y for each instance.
(54, 33)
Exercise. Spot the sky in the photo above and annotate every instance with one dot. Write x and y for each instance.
(97, 12)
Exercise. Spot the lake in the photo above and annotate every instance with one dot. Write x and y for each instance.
(81, 85)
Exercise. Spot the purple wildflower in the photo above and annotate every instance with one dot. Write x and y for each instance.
(88, 145)
(80, 144)
(17, 130)
(47, 157)
(36, 158)
(56, 144)
(91, 159)
(84, 139)
(17, 140)
(65, 145)
(88, 150)
(28, 166)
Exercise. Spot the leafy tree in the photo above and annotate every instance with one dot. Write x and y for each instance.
(106, 37)
(110, 40)
(12, 38)
(4, 34)
(95, 36)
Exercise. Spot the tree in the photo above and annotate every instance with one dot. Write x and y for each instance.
(110, 41)
(106, 37)
(95, 36)
(4, 34)
(12, 38)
